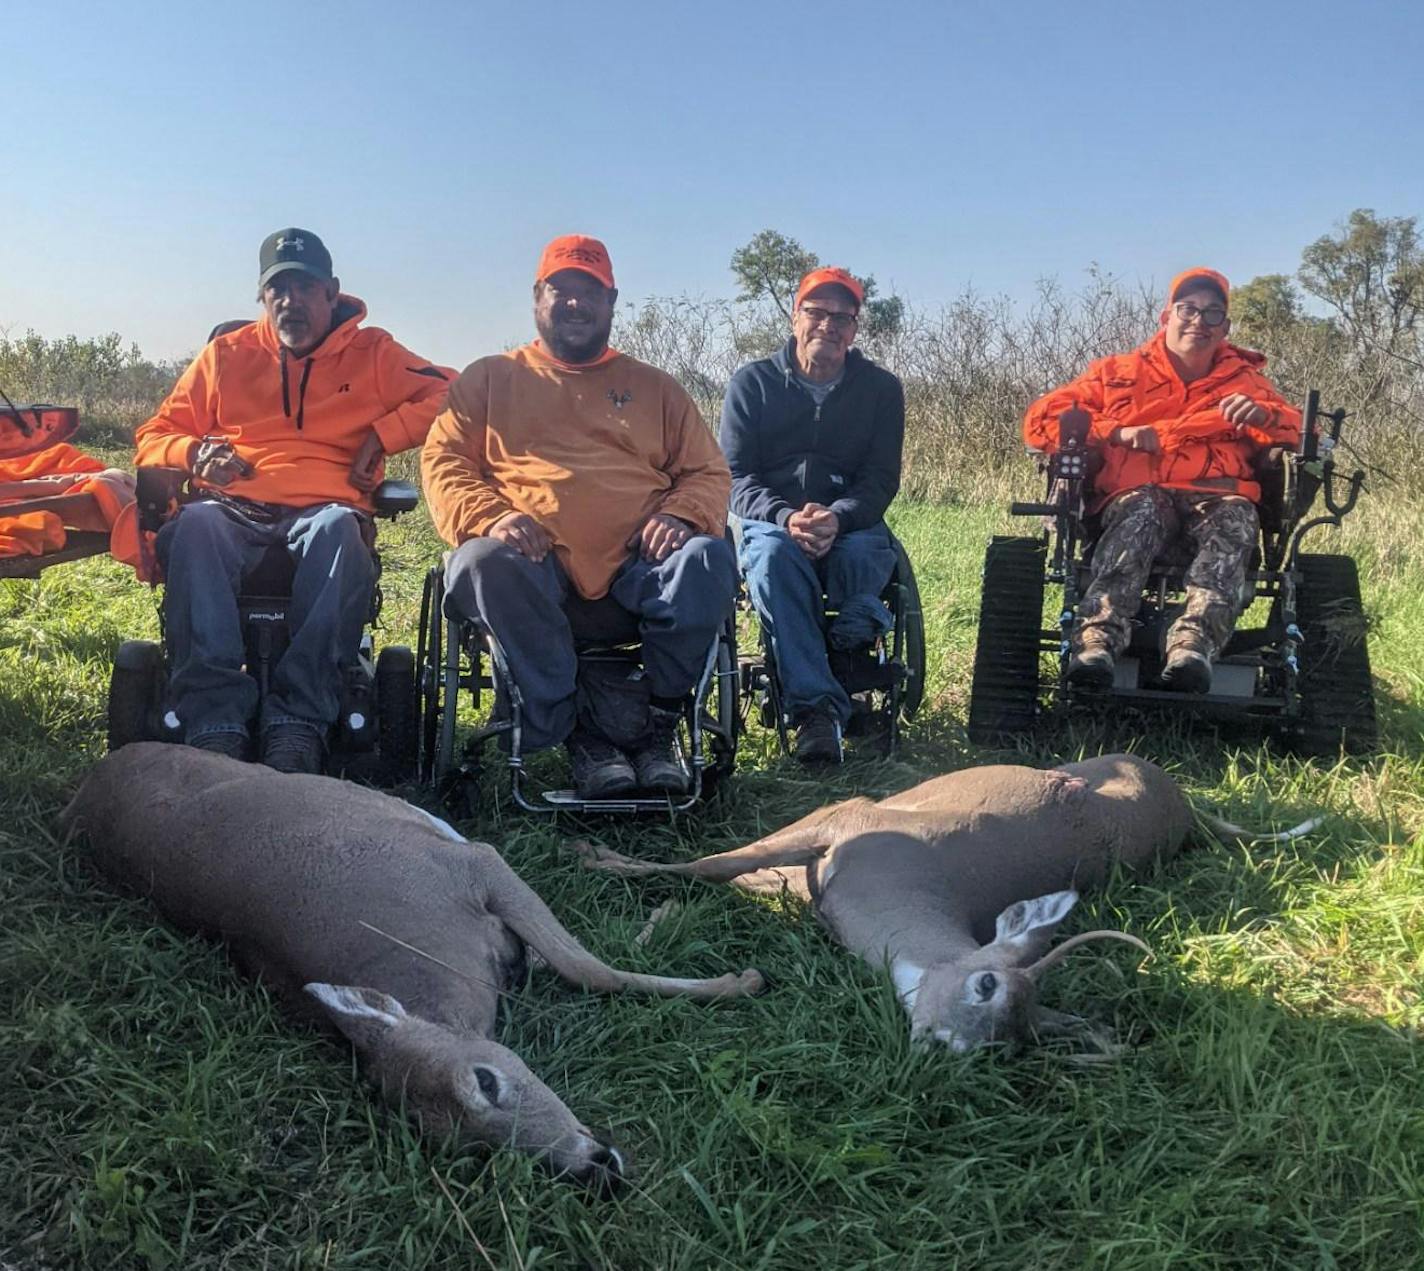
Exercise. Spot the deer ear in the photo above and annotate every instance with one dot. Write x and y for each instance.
(1027, 926)
(362, 1014)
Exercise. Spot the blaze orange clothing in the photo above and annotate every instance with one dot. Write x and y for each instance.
(1201, 450)
(112, 491)
(589, 451)
(298, 421)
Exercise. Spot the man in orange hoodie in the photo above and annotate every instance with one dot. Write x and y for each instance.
(284, 424)
(1177, 423)
(565, 468)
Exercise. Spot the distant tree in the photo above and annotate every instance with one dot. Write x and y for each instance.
(1371, 273)
(768, 269)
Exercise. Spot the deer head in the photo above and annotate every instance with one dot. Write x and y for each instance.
(991, 995)
(470, 1085)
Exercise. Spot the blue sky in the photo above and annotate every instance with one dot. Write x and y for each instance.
(147, 149)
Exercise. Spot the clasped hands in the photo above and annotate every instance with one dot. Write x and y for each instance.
(813, 528)
(660, 536)
(1238, 409)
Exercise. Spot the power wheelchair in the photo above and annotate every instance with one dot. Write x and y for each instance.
(885, 680)
(1304, 674)
(375, 736)
(458, 661)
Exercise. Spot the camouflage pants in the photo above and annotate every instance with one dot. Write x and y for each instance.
(1136, 527)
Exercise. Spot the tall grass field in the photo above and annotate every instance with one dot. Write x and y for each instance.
(1267, 1109)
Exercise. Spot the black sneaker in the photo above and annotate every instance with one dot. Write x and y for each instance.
(658, 762)
(818, 739)
(600, 769)
(293, 747)
(233, 745)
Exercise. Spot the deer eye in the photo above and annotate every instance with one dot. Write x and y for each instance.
(488, 1082)
(985, 985)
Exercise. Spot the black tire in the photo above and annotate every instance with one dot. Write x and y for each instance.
(431, 658)
(397, 714)
(912, 691)
(1334, 683)
(136, 692)
(725, 711)
(1003, 696)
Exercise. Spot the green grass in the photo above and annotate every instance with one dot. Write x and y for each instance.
(157, 1112)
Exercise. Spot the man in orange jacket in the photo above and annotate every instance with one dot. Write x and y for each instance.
(565, 469)
(284, 424)
(1177, 423)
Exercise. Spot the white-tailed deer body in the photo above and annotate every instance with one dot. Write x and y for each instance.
(959, 883)
(368, 914)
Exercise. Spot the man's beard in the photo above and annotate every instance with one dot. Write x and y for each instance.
(575, 343)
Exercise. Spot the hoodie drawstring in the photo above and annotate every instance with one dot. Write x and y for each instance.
(301, 389)
(302, 393)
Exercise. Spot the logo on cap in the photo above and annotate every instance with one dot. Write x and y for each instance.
(296, 244)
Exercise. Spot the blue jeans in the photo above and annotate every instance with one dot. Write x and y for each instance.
(204, 552)
(787, 588)
(680, 603)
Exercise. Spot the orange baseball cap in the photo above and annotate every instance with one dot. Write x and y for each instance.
(1207, 277)
(576, 251)
(831, 274)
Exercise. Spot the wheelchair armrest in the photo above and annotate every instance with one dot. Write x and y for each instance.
(1269, 469)
(394, 497)
(158, 492)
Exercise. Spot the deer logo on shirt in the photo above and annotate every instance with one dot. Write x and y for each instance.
(619, 400)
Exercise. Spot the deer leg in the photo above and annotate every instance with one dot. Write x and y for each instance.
(796, 844)
(510, 898)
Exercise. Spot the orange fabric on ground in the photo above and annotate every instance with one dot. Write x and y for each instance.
(589, 451)
(31, 534)
(1201, 450)
(301, 442)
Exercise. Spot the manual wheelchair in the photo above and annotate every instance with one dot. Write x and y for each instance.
(884, 680)
(458, 661)
(1304, 674)
(375, 736)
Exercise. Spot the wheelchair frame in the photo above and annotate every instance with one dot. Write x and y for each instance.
(375, 734)
(450, 657)
(1305, 673)
(887, 679)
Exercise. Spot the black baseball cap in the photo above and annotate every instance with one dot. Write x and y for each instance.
(293, 249)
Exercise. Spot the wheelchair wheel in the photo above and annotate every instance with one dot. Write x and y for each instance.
(911, 620)
(1003, 697)
(722, 710)
(1334, 683)
(397, 715)
(135, 692)
(430, 659)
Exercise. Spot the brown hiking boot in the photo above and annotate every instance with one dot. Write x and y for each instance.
(1188, 670)
(1091, 667)
(294, 747)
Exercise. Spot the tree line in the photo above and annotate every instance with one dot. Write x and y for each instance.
(1349, 322)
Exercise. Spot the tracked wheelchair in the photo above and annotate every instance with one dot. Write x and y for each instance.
(1302, 674)
(375, 736)
(461, 667)
(885, 680)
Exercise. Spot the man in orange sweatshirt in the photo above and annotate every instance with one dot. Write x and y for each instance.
(1177, 423)
(565, 468)
(284, 423)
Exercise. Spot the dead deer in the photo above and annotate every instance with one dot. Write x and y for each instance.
(959, 884)
(401, 933)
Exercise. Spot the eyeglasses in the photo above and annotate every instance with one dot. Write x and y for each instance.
(841, 321)
(1188, 312)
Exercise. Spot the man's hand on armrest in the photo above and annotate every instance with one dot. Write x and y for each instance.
(366, 463)
(522, 532)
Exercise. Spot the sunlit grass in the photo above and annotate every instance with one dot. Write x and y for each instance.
(1268, 1112)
